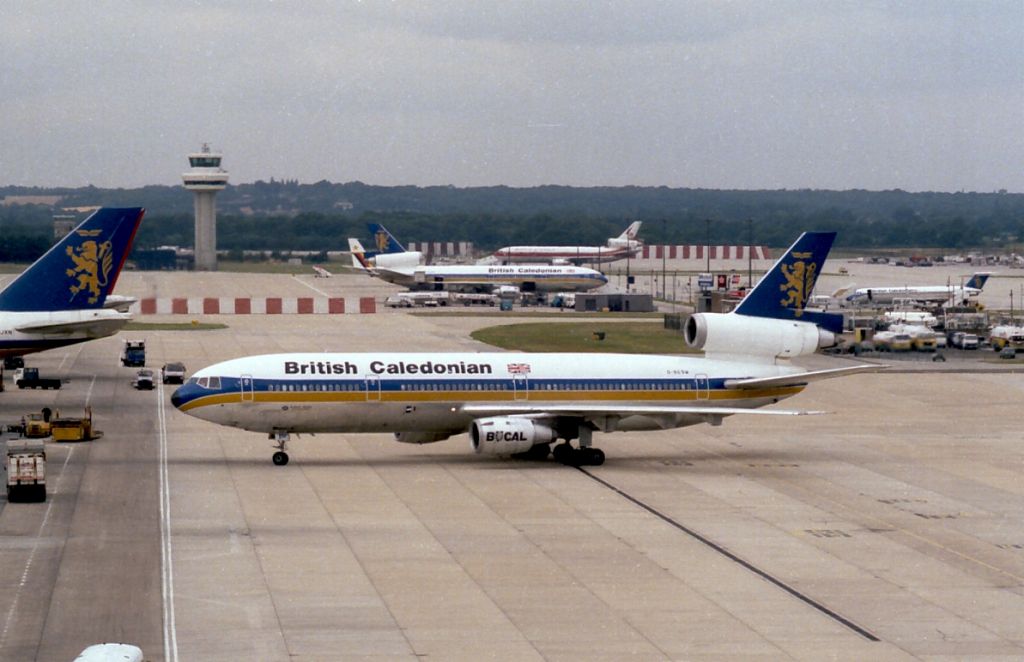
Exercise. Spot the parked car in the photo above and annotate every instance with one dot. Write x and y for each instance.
(143, 380)
(173, 373)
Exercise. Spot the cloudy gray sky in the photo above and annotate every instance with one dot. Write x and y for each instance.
(922, 95)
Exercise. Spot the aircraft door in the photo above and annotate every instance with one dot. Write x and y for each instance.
(245, 384)
(372, 384)
(520, 387)
(703, 387)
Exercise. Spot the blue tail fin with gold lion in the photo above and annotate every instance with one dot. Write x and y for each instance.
(81, 269)
(785, 290)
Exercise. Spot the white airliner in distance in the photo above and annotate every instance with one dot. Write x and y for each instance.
(617, 248)
(476, 277)
(520, 403)
(64, 297)
(953, 294)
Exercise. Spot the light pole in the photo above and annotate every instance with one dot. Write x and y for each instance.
(750, 253)
(664, 252)
(707, 243)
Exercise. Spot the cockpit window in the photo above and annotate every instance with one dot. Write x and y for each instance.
(215, 382)
(207, 382)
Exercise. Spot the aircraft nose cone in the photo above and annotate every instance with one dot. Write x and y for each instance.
(177, 398)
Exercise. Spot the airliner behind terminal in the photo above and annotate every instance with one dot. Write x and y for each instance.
(520, 403)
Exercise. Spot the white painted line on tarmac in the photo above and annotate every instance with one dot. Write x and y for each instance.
(166, 556)
(312, 287)
(32, 555)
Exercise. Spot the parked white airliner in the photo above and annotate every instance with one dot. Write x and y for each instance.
(475, 277)
(514, 403)
(616, 248)
(938, 294)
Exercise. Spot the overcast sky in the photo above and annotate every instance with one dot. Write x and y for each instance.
(878, 95)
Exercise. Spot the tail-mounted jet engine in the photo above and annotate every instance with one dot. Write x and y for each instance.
(718, 333)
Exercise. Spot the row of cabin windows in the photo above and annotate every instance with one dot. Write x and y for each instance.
(476, 386)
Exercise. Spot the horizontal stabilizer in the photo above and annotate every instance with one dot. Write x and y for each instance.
(800, 378)
(99, 327)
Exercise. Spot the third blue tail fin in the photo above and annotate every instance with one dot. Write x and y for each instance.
(383, 240)
(785, 289)
(978, 280)
(81, 269)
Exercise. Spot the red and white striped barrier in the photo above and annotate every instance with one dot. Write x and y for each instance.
(442, 248)
(254, 306)
(699, 252)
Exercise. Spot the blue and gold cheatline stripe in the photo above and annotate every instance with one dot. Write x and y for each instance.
(390, 391)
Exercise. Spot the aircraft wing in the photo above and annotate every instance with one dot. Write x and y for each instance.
(802, 377)
(95, 328)
(585, 410)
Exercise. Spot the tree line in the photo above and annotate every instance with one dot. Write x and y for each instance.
(286, 215)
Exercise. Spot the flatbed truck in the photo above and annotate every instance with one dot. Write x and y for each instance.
(25, 465)
(29, 378)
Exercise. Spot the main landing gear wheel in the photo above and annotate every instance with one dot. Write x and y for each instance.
(563, 453)
(578, 457)
(280, 458)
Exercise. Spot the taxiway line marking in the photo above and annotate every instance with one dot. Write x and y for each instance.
(166, 557)
(312, 287)
(32, 555)
(842, 620)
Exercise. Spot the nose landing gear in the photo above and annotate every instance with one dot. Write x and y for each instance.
(280, 437)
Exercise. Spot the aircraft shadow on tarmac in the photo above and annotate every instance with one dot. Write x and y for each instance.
(697, 460)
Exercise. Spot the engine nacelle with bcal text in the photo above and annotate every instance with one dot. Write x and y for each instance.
(506, 435)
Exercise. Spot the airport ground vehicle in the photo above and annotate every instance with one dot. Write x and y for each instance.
(133, 354)
(70, 428)
(398, 301)
(14, 362)
(963, 340)
(1006, 336)
(173, 373)
(890, 341)
(29, 378)
(36, 426)
(564, 300)
(25, 463)
(475, 299)
(143, 380)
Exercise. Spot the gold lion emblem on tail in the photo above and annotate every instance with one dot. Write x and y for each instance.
(92, 262)
(800, 279)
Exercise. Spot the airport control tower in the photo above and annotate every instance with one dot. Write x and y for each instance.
(205, 178)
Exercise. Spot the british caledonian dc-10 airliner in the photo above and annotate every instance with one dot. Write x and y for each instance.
(523, 403)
